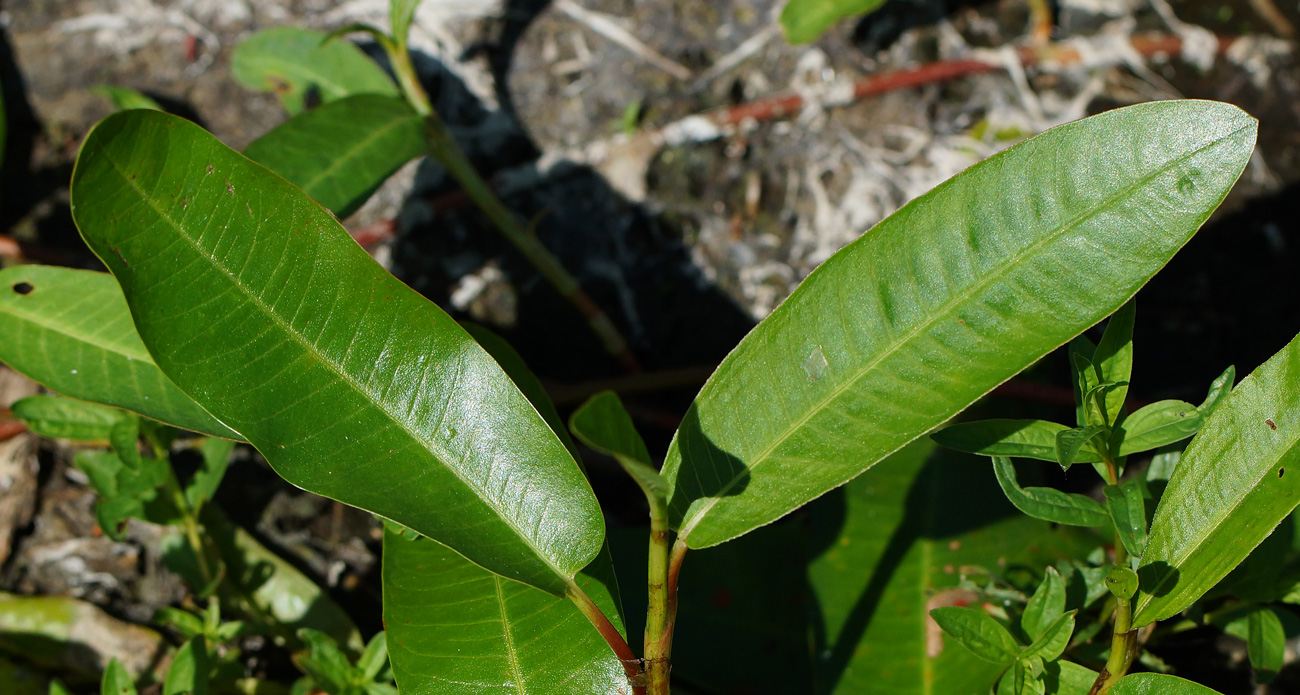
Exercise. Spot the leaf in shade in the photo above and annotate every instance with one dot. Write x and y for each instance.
(1045, 606)
(1080, 357)
(1052, 643)
(349, 383)
(1236, 481)
(1158, 684)
(1048, 504)
(454, 627)
(993, 269)
(602, 424)
(979, 632)
(805, 20)
(66, 418)
(1070, 442)
(1068, 678)
(1219, 390)
(1265, 644)
(216, 458)
(291, 62)
(1035, 439)
(1113, 359)
(71, 331)
(189, 669)
(1159, 424)
(341, 152)
(1128, 511)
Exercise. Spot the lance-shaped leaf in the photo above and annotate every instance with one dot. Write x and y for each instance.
(1237, 480)
(1070, 442)
(979, 632)
(291, 62)
(1053, 641)
(1128, 511)
(123, 98)
(400, 14)
(602, 424)
(1045, 606)
(189, 669)
(340, 152)
(71, 331)
(455, 628)
(1158, 684)
(1265, 643)
(1048, 504)
(66, 418)
(1158, 424)
(256, 302)
(805, 20)
(1113, 359)
(950, 296)
(1219, 390)
(1034, 439)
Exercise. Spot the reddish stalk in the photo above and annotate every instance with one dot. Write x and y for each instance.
(631, 663)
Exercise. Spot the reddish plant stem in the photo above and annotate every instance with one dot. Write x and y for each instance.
(631, 663)
(10, 429)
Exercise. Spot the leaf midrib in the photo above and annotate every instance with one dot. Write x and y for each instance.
(1033, 249)
(507, 635)
(347, 157)
(437, 452)
(37, 319)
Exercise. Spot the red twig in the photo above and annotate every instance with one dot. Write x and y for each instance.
(10, 429)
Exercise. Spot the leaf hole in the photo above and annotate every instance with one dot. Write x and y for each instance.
(23, 288)
(1281, 472)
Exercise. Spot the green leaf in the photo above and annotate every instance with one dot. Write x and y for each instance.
(1122, 582)
(324, 662)
(1159, 424)
(116, 680)
(602, 424)
(1080, 354)
(1068, 678)
(206, 480)
(71, 331)
(1046, 606)
(124, 98)
(375, 657)
(1128, 511)
(1237, 480)
(400, 14)
(180, 621)
(978, 632)
(453, 626)
(1158, 684)
(65, 418)
(1266, 643)
(1048, 504)
(1070, 442)
(1020, 679)
(1052, 643)
(290, 62)
(1219, 390)
(1114, 359)
(340, 152)
(349, 383)
(805, 20)
(992, 269)
(1035, 439)
(189, 669)
(127, 483)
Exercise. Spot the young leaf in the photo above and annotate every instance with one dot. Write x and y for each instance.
(1052, 643)
(1159, 424)
(1266, 643)
(116, 680)
(805, 20)
(324, 662)
(126, 482)
(206, 480)
(375, 657)
(1034, 439)
(451, 622)
(1048, 504)
(352, 385)
(974, 268)
(340, 152)
(1068, 678)
(1128, 511)
(123, 98)
(189, 670)
(1080, 354)
(1219, 390)
(65, 418)
(1021, 678)
(602, 424)
(1122, 582)
(1235, 482)
(1070, 442)
(290, 62)
(978, 632)
(1158, 684)
(1113, 358)
(1045, 606)
(401, 12)
(71, 331)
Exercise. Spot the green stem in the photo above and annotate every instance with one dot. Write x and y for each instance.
(661, 615)
(443, 146)
(1123, 641)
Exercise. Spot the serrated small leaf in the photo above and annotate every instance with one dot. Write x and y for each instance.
(116, 680)
(1113, 359)
(189, 670)
(1128, 511)
(1045, 606)
(1070, 442)
(978, 632)
(1265, 643)
(1159, 424)
(1052, 643)
(65, 418)
(1048, 504)
(1158, 684)
(1034, 439)
(291, 61)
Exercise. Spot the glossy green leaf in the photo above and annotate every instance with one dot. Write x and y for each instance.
(1070, 442)
(602, 424)
(1049, 504)
(71, 331)
(123, 98)
(1122, 582)
(206, 480)
(1035, 439)
(1159, 424)
(349, 383)
(290, 62)
(1219, 390)
(1265, 643)
(454, 628)
(1237, 480)
(1068, 678)
(116, 680)
(1128, 511)
(66, 418)
(1158, 684)
(1046, 606)
(805, 20)
(340, 152)
(990, 270)
(189, 669)
(977, 631)
(1052, 643)
(1113, 359)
